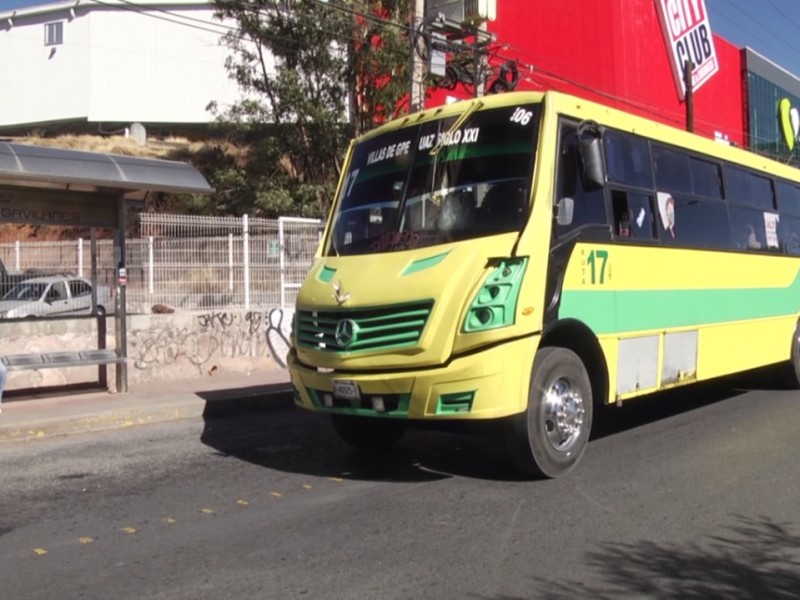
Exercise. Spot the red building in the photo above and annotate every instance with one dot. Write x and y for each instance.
(613, 52)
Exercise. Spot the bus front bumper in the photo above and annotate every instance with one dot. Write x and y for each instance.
(488, 384)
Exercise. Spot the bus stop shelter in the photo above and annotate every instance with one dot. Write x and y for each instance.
(53, 186)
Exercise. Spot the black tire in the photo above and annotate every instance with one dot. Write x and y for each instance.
(100, 311)
(369, 433)
(549, 438)
(789, 373)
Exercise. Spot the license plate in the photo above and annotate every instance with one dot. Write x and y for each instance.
(346, 390)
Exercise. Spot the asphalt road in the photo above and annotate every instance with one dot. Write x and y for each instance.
(692, 494)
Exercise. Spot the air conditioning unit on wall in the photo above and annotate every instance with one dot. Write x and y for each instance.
(463, 11)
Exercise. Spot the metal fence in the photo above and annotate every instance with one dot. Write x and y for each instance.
(187, 262)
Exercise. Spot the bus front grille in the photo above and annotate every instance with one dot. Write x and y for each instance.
(352, 330)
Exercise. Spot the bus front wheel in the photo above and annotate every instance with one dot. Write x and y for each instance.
(368, 433)
(549, 438)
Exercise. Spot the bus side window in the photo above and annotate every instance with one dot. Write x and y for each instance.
(744, 187)
(693, 222)
(747, 227)
(588, 205)
(788, 197)
(628, 159)
(633, 215)
(706, 178)
(789, 228)
(789, 224)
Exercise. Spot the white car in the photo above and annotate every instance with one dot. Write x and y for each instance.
(54, 295)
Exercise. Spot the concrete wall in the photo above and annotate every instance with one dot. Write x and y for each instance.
(161, 347)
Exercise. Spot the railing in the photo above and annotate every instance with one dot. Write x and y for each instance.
(187, 262)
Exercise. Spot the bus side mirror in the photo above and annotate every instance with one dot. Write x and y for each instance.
(593, 161)
(564, 211)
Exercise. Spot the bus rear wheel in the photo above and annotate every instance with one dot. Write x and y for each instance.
(368, 433)
(790, 372)
(549, 438)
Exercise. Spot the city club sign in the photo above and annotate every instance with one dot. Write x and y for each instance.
(688, 37)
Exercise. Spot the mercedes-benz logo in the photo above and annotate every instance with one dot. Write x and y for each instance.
(346, 332)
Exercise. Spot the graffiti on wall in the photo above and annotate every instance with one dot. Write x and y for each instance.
(215, 335)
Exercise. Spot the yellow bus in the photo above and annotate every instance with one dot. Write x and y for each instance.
(530, 257)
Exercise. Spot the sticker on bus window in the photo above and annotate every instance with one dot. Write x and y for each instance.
(771, 227)
(666, 209)
(521, 116)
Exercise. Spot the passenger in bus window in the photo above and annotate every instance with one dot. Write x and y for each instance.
(624, 225)
(793, 244)
(640, 213)
(752, 242)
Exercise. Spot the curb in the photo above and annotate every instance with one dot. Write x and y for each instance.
(133, 411)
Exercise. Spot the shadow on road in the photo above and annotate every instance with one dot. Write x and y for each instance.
(753, 558)
(611, 420)
(292, 440)
(246, 399)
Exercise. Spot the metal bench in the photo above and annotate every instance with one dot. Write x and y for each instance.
(47, 360)
(98, 356)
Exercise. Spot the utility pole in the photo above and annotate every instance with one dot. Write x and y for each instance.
(480, 60)
(459, 42)
(687, 81)
(417, 70)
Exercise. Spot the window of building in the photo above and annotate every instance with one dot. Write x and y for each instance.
(54, 33)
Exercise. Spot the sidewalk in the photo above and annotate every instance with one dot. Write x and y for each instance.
(37, 417)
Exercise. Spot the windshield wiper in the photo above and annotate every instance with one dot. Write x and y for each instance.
(458, 123)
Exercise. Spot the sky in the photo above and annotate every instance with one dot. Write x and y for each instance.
(770, 27)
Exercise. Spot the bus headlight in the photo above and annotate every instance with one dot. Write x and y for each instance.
(496, 301)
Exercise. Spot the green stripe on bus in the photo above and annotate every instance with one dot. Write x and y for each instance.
(619, 311)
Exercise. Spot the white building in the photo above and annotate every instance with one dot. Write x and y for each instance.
(100, 66)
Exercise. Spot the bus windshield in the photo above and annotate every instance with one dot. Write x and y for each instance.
(447, 180)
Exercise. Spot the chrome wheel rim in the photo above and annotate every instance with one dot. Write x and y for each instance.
(563, 417)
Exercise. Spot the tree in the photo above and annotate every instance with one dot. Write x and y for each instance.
(313, 73)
